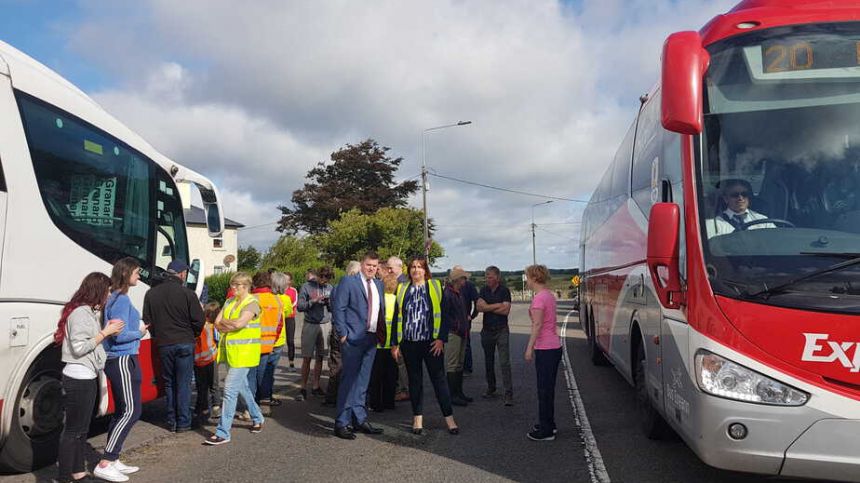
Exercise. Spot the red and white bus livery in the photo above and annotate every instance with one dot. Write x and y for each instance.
(721, 249)
(78, 191)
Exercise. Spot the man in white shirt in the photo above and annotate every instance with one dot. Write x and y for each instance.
(737, 194)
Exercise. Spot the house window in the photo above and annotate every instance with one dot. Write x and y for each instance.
(219, 269)
(218, 243)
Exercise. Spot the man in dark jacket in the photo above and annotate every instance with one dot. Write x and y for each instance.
(176, 319)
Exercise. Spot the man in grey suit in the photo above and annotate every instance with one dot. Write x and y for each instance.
(358, 315)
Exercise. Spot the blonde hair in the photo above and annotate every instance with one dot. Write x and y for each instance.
(241, 278)
(353, 267)
(538, 273)
(390, 282)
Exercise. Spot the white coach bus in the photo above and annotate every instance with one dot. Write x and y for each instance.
(78, 191)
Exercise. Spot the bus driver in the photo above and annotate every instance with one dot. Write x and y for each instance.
(736, 193)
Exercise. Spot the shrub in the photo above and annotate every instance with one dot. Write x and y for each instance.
(218, 285)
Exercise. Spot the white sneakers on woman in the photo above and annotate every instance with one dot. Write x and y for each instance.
(115, 471)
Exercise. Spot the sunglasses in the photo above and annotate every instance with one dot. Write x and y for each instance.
(739, 194)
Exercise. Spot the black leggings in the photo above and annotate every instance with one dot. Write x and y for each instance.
(79, 402)
(413, 354)
(290, 327)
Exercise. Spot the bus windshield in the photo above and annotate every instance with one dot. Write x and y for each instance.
(779, 170)
(104, 195)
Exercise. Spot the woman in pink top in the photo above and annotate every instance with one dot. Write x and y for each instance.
(544, 348)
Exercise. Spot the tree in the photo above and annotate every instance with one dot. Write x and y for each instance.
(358, 177)
(294, 255)
(388, 231)
(249, 259)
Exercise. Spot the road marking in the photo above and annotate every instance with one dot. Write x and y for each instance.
(592, 454)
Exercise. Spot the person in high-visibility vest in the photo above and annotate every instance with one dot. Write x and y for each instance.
(239, 347)
(271, 320)
(420, 332)
(266, 390)
(204, 364)
(383, 378)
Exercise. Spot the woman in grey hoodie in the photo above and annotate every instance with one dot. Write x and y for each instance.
(80, 334)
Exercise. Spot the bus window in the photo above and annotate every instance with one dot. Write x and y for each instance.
(96, 189)
(170, 240)
(647, 155)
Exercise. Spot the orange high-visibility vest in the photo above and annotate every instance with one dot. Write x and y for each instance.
(271, 314)
(204, 347)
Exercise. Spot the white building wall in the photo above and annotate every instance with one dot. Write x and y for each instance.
(202, 246)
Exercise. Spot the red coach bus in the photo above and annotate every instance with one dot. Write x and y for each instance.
(721, 249)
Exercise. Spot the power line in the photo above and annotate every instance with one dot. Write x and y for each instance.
(508, 190)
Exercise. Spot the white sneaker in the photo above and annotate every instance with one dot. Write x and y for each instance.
(124, 468)
(109, 473)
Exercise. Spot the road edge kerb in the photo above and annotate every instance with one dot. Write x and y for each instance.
(596, 468)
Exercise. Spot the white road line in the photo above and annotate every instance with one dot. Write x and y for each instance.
(592, 454)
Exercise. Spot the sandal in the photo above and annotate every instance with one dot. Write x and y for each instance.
(275, 402)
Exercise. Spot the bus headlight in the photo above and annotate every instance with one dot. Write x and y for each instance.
(724, 378)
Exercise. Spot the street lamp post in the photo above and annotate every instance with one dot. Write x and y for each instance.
(422, 153)
(534, 254)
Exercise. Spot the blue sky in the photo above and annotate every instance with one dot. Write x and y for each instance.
(277, 86)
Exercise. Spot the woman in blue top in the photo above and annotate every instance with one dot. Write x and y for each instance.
(122, 369)
(420, 331)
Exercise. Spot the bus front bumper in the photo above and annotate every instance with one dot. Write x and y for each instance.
(829, 449)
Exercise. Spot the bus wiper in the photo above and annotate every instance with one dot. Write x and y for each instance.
(854, 260)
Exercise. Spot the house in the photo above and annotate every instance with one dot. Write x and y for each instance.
(217, 254)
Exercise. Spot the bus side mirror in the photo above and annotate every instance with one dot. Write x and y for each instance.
(684, 64)
(663, 261)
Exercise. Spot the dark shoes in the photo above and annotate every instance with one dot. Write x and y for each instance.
(536, 428)
(343, 433)
(509, 399)
(366, 428)
(303, 394)
(318, 392)
(539, 435)
(489, 394)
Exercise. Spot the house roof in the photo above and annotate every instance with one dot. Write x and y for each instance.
(196, 216)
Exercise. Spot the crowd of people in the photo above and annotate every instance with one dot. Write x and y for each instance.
(379, 327)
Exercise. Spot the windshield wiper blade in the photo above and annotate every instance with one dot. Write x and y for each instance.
(832, 268)
(833, 254)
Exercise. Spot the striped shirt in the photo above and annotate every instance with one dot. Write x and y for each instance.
(415, 326)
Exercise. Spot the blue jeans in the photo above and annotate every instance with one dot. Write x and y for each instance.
(177, 365)
(267, 386)
(255, 378)
(235, 385)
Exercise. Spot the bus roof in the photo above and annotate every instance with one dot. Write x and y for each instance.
(750, 15)
(30, 76)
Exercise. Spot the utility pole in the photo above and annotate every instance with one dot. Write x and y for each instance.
(422, 153)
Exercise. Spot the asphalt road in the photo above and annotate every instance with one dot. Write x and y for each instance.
(297, 443)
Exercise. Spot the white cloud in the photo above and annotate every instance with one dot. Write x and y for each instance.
(254, 96)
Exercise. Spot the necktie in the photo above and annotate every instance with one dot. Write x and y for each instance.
(739, 221)
(369, 303)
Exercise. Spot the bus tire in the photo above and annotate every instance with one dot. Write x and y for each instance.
(652, 424)
(37, 419)
(598, 358)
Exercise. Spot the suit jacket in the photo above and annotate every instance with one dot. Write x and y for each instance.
(350, 308)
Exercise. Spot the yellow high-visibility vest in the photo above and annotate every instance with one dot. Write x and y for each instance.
(288, 312)
(390, 300)
(241, 348)
(434, 287)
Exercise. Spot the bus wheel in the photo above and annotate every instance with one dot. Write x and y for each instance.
(37, 420)
(650, 421)
(598, 358)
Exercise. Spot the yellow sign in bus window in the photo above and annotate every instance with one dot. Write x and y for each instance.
(93, 147)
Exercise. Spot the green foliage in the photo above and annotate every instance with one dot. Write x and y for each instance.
(295, 255)
(388, 231)
(359, 177)
(218, 285)
(249, 259)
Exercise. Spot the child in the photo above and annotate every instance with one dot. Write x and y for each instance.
(204, 365)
